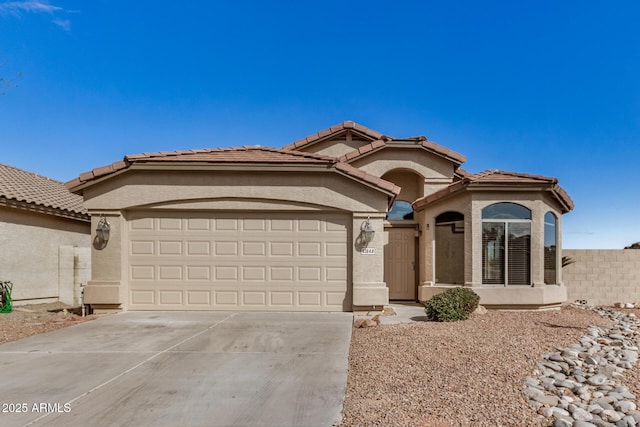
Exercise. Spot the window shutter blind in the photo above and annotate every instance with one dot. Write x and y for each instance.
(519, 261)
(493, 253)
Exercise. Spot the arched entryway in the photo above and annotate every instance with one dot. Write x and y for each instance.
(401, 230)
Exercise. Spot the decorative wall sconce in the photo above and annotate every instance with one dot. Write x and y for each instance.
(103, 230)
(367, 232)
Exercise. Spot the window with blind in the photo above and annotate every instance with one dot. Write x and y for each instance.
(506, 244)
(550, 265)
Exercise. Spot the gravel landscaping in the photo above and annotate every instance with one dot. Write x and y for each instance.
(468, 373)
(28, 320)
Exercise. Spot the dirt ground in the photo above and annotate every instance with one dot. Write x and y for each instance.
(27, 320)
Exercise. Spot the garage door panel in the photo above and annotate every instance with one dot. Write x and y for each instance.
(252, 224)
(215, 261)
(282, 299)
(170, 224)
(195, 248)
(223, 248)
(142, 247)
(309, 298)
(142, 272)
(170, 298)
(281, 225)
(225, 224)
(282, 274)
(198, 224)
(170, 272)
(254, 249)
(199, 298)
(169, 247)
(198, 272)
(254, 273)
(284, 249)
(143, 297)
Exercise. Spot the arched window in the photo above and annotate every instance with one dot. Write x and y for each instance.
(506, 211)
(449, 235)
(400, 210)
(506, 244)
(550, 251)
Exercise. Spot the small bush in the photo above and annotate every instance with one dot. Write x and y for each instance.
(451, 305)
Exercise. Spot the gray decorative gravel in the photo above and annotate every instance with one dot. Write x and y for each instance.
(469, 373)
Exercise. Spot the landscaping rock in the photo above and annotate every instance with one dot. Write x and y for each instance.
(585, 378)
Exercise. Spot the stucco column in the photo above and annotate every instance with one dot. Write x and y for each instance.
(559, 268)
(425, 250)
(369, 288)
(537, 244)
(474, 242)
(104, 288)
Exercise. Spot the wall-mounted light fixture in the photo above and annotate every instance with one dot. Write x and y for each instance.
(103, 230)
(367, 232)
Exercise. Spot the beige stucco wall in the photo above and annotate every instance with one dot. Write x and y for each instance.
(30, 253)
(138, 188)
(471, 204)
(426, 245)
(411, 184)
(337, 147)
(436, 171)
(369, 289)
(603, 276)
(241, 191)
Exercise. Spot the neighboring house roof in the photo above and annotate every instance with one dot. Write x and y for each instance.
(238, 155)
(496, 179)
(35, 192)
(417, 141)
(334, 131)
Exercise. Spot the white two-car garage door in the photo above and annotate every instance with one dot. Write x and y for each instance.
(227, 261)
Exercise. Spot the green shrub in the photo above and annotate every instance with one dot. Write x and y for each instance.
(451, 305)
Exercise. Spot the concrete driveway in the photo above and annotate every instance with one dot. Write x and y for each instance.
(180, 369)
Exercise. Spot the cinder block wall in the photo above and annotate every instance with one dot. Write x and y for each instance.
(603, 276)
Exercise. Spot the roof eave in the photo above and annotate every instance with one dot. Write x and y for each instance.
(457, 159)
(49, 210)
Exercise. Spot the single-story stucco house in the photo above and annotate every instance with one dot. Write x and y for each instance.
(345, 219)
(45, 234)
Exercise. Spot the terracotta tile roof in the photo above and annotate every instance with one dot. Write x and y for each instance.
(461, 173)
(371, 179)
(333, 131)
(238, 155)
(418, 141)
(254, 154)
(33, 189)
(500, 179)
(205, 155)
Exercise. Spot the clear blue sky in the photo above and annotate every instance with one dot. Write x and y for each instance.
(544, 87)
